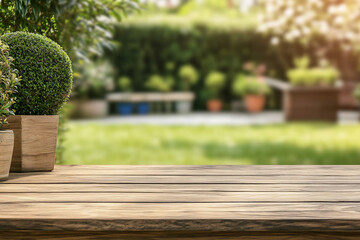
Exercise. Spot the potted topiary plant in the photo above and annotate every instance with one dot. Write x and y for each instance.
(124, 108)
(9, 82)
(45, 87)
(189, 77)
(160, 84)
(313, 94)
(252, 87)
(214, 83)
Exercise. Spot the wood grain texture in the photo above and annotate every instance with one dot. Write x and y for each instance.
(166, 188)
(176, 202)
(179, 179)
(6, 150)
(35, 142)
(178, 235)
(193, 170)
(183, 197)
(47, 235)
(311, 104)
(188, 212)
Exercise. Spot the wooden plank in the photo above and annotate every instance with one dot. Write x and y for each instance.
(74, 179)
(208, 170)
(86, 235)
(182, 197)
(102, 217)
(45, 188)
(181, 211)
(210, 167)
(185, 198)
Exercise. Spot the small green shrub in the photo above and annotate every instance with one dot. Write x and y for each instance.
(214, 83)
(189, 76)
(159, 83)
(298, 77)
(250, 85)
(302, 75)
(356, 92)
(329, 76)
(9, 82)
(124, 84)
(46, 73)
(302, 62)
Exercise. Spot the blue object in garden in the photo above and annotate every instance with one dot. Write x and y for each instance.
(143, 108)
(124, 108)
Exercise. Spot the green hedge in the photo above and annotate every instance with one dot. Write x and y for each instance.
(146, 47)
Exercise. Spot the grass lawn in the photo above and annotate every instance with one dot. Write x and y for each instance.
(273, 144)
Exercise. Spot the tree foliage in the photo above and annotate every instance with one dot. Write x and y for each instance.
(304, 21)
(81, 27)
(9, 81)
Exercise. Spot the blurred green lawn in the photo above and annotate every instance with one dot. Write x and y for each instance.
(272, 144)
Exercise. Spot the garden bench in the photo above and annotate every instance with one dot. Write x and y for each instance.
(150, 97)
(182, 202)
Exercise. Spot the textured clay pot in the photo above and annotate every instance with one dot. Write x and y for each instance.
(6, 151)
(254, 103)
(214, 105)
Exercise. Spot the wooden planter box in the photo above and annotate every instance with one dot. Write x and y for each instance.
(35, 142)
(6, 151)
(311, 104)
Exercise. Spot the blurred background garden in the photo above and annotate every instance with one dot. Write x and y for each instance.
(204, 81)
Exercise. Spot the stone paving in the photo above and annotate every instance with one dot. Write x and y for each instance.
(205, 118)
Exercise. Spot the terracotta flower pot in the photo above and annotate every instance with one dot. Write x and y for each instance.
(254, 103)
(214, 105)
(6, 151)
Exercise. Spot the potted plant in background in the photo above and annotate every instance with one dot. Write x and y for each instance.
(252, 87)
(91, 84)
(45, 86)
(189, 77)
(313, 94)
(9, 82)
(214, 83)
(124, 108)
(160, 84)
(254, 90)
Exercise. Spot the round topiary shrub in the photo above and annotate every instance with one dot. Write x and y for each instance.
(46, 73)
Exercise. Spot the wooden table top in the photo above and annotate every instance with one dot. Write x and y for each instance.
(178, 198)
